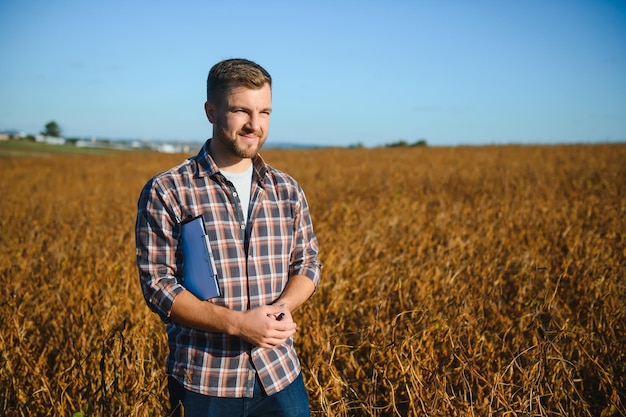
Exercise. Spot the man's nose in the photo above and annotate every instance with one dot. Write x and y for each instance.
(254, 122)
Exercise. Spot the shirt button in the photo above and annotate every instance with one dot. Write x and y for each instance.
(235, 193)
(242, 226)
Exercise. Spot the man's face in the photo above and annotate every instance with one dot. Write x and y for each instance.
(241, 120)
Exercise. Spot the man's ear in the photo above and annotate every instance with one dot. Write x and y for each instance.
(209, 109)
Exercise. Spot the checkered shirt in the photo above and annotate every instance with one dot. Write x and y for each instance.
(253, 262)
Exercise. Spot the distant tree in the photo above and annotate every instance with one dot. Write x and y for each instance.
(403, 143)
(355, 145)
(52, 129)
(398, 144)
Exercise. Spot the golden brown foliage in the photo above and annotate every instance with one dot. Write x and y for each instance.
(457, 282)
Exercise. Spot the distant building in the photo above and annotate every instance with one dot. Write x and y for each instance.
(50, 140)
(12, 134)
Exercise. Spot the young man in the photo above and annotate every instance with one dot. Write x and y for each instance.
(232, 355)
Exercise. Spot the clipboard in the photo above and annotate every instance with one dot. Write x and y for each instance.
(199, 272)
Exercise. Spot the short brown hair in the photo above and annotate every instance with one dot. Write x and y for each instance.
(237, 71)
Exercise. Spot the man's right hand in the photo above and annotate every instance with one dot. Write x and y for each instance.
(257, 326)
(260, 327)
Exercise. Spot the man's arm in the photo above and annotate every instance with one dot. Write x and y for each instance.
(257, 326)
(298, 290)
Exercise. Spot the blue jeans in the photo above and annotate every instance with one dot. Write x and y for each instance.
(293, 401)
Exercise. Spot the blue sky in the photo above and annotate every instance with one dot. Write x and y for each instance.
(345, 72)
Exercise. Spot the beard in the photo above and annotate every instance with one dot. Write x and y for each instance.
(236, 148)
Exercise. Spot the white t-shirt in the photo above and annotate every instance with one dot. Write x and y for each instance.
(243, 184)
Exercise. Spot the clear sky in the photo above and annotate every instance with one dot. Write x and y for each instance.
(345, 72)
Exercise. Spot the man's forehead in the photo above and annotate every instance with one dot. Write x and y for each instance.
(243, 92)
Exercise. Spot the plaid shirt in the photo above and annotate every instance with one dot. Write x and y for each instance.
(253, 265)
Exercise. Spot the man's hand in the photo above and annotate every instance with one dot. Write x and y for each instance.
(260, 326)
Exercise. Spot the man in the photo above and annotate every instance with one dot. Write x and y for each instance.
(232, 355)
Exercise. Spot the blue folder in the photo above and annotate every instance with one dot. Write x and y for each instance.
(199, 273)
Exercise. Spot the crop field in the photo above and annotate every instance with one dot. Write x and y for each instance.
(468, 281)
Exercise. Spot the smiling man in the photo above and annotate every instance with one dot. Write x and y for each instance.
(231, 355)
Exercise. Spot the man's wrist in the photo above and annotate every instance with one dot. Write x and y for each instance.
(233, 326)
(282, 304)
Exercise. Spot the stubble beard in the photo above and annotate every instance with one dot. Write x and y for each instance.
(236, 149)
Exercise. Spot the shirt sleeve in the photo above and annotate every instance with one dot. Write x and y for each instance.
(156, 237)
(305, 260)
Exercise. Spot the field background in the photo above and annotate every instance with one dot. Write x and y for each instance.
(469, 281)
